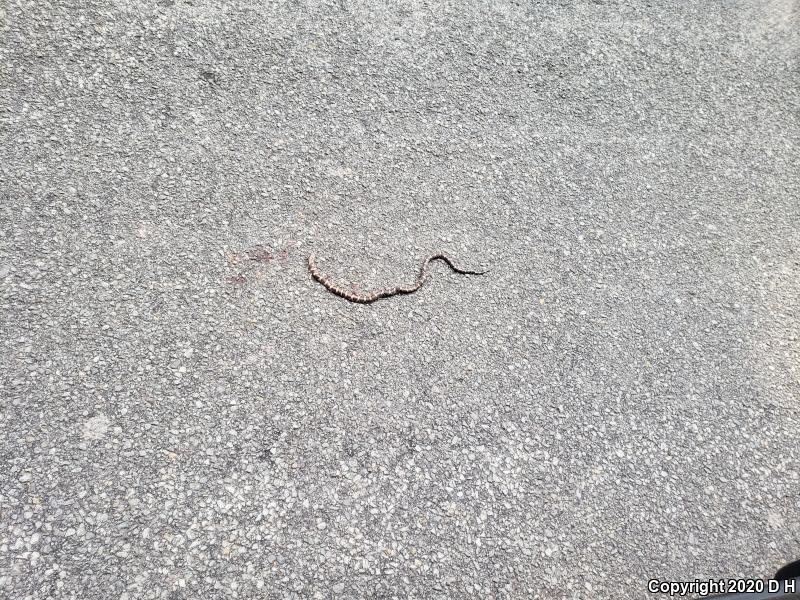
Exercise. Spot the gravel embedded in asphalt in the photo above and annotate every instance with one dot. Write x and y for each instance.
(187, 414)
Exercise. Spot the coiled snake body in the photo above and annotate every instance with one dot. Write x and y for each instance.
(354, 296)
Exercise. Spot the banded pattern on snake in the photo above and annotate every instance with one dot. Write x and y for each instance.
(368, 298)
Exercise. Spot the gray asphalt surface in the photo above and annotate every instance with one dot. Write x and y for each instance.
(186, 414)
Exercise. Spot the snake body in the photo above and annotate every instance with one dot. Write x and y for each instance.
(368, 298)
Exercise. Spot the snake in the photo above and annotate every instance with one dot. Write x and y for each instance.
(368, 298)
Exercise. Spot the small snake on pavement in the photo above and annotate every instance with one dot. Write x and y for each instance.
(368, 298)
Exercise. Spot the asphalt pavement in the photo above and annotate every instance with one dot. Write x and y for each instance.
(185, 413)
